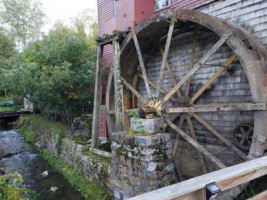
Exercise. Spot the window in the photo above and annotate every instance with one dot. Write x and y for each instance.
(161, 4)
(114, 8)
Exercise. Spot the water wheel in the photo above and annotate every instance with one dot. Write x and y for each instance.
(210, 75)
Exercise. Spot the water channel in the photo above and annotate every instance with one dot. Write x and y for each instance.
(22, 158)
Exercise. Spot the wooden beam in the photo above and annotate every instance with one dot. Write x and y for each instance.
(213, 78)
(225, 178)
(260, 196)
(165, 55)
(193, 135)
(192, 58)
(219, 136)
(132, 89)
(135, 86)
(109, 82)
(174, 82)
(153, 85)
(118, 87)
(141, 61)
(195, 144)
(199, 64)
(97, 98)
(219, 107)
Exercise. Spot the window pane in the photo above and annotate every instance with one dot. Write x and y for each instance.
(160, 4)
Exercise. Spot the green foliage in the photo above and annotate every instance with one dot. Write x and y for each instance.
(11, 188)
(23, 20)
(58, 73)
(29, 125)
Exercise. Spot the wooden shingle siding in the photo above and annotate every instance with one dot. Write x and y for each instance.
(190, 4)
(105, 13)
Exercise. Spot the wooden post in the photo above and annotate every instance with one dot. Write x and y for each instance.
(97, 98)
(119, 115)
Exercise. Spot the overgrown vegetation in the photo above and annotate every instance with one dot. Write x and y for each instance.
(11, 188)
(31, 124)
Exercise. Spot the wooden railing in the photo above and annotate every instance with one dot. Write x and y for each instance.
(227, 178)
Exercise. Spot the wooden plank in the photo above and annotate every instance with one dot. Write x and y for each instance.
(226, 178)
(109, 82)
(165, 54)
(260, 196)
(219, 107)
(97, 97)
(213, 78)
(131, 88)
(153, 85)
(135, 86)
(193, 135)
(118, 87)
(102, 153)
(219, 136)
(195, 144)
(174, 82)
(192, 58)
(141, 61)
(198, 65)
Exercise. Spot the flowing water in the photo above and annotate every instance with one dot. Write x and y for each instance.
(21, 158)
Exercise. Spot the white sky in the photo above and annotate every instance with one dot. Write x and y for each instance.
(65, 9)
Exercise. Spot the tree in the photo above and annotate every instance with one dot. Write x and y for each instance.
(23, 20)
(57, 72)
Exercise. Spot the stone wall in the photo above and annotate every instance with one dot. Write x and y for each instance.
(93, 166)
(140, 164)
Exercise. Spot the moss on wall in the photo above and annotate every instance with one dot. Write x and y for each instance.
(88, 189)
(11, 188)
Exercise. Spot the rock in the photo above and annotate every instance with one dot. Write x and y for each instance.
(54, 189)
(44, 174)
(2, 172)
(151, 167)
(2, 153)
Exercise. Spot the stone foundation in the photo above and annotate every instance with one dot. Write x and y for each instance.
(140, 164)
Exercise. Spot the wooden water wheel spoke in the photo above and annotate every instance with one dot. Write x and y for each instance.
(219, 135)
(174, 82)
(165, 55)
(219, 107)
(193, 135)
(213, 78)
(221, 41)
(133, 90)
(109, 81)
(191, 141)
(192, 59)
(141, 61)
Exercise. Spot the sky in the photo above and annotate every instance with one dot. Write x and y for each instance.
(63, 10)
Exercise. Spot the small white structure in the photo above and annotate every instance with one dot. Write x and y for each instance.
(28, 105)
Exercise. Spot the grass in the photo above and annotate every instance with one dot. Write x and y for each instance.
(10, 109)
(11, 188)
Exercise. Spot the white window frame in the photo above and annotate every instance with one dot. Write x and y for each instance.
(114, 7)
(169, 5)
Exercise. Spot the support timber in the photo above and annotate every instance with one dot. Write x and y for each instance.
(119, 114)
(97, 98)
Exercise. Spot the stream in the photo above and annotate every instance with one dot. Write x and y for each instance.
(22, 158)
